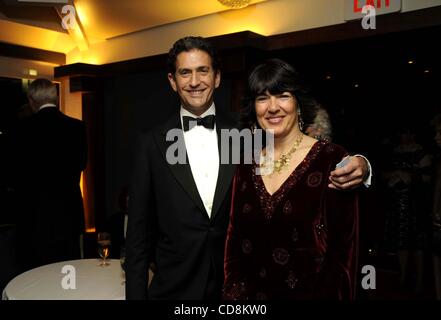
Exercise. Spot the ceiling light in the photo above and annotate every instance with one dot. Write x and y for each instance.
(410, 62)
(235, 4)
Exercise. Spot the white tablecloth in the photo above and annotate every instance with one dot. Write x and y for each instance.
(92, 282)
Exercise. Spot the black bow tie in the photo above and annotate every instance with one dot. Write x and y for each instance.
(190, 122)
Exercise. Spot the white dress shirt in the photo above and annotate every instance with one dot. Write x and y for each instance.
(367, 181)
(203, 156)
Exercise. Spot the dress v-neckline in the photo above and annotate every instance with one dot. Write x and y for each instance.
(270, 201)
(297, 171)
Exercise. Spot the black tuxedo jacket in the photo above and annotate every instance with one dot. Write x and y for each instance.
(52, 152)
(168, 224)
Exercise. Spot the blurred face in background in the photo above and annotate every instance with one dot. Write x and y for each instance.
(313, 132)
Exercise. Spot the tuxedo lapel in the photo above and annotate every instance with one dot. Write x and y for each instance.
(226, 171)
(182, 172)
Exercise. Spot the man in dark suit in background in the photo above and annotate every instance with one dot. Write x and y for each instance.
(179, 212)
(52, 153)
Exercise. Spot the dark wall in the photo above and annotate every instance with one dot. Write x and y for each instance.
(11, 111)
(390, 92)
(13, 98)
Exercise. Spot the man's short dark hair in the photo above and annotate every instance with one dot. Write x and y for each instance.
(191, 43)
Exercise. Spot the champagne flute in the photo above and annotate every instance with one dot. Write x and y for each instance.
(104, 247)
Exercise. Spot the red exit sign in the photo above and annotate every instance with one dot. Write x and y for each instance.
(353, 8)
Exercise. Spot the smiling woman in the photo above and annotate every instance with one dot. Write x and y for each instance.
(290, 236)
(269, 117)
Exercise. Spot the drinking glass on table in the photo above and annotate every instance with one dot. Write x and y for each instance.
(103, 247)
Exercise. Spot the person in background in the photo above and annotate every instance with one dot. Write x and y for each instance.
(407, 220)
(51, 153)
(318, 124)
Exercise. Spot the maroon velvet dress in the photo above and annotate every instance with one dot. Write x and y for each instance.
(299, 243)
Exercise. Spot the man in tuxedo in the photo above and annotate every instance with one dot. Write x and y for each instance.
(52, 153)
(178, 213)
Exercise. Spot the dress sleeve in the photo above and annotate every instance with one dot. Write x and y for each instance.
(337, 279)
(234, 281)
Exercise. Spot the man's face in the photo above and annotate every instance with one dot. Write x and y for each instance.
(194, 80)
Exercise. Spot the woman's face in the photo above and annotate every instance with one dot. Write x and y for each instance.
(438, 136)
(277, 112)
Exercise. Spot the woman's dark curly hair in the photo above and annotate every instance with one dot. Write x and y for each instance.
(275, 76)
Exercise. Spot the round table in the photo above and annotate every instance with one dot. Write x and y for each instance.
(91, 282)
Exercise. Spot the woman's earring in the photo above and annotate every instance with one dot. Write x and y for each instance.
(301, 123)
